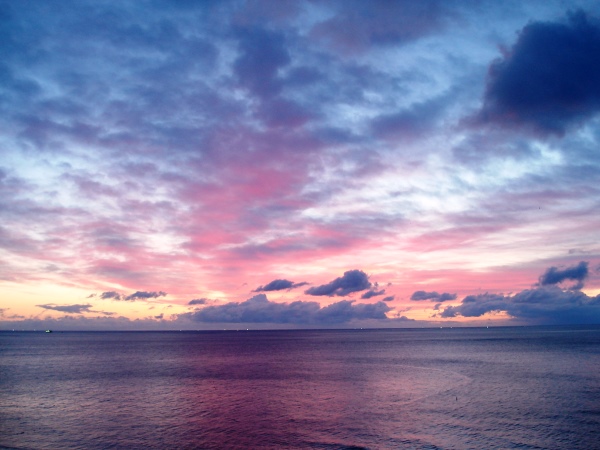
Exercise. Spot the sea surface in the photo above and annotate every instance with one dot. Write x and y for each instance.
(459, 388)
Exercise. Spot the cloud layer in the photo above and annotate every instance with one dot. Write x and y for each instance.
(211, 149)
(259, 309)
(546, 304)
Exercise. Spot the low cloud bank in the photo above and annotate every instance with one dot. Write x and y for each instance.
(547, 303)
(82, 323)
(543, 305)
(259, 309)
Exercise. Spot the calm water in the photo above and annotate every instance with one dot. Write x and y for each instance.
(526, 388)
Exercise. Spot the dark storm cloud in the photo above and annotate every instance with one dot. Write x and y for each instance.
(388, 299)
(259, 309)
(554, 275)
(543, 305)
(372, 293)
(140, 295)
(550, 79)
(278, 285)
(433, 296)
(71, 309)
(351, 281)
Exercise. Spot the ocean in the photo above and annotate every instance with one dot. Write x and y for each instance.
(450, 388)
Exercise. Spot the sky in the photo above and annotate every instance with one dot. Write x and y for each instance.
(299, 164)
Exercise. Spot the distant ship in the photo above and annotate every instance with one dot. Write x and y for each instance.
(48, 331)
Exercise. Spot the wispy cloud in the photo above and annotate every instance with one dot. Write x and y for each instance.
(71, 309)
(432, 296)
(144, 295)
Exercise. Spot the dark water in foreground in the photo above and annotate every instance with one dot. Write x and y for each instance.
(525, 388)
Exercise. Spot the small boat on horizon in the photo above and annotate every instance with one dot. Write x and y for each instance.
(48, 331)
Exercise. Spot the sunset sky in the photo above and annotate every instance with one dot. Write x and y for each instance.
(269, 164)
